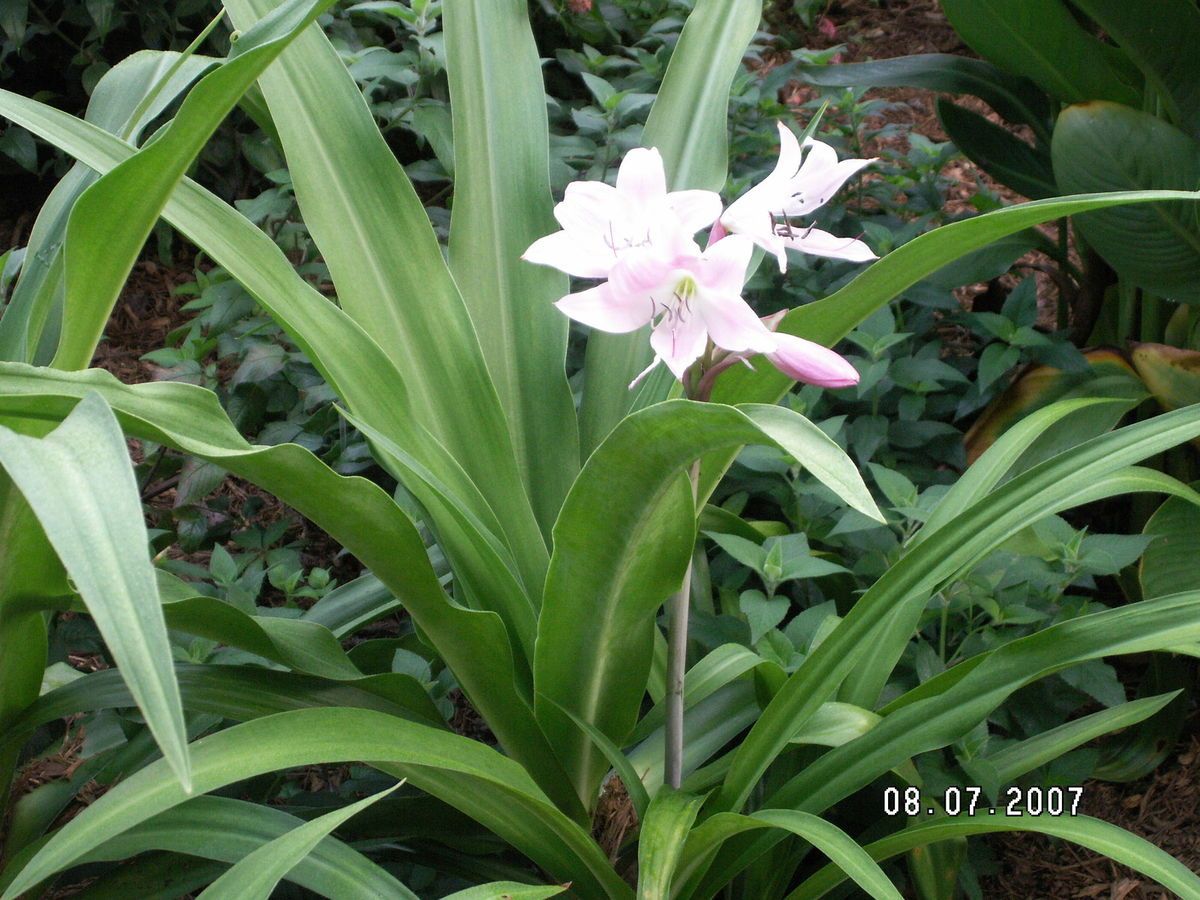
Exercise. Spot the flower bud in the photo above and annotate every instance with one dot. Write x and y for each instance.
(811, 363)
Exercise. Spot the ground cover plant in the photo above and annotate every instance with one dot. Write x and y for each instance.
(534, 536)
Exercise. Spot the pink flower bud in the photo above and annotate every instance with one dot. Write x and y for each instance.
(811, 363)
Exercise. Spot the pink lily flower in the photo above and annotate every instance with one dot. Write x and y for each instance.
(798, 185)
(690, 296)
(811, 363)
(601, 223)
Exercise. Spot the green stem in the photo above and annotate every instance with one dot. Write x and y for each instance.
(677, 637)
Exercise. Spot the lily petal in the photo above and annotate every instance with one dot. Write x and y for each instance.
(733, 325)
(567, 254)
(694, 209)
(811, 363)
(641, 177)
(723, 265)
(679, 343)
(605, 309)
(815, 242)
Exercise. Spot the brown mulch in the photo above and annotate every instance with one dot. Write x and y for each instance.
(1163, 808)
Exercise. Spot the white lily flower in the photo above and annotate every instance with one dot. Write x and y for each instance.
(799, 184)
(600, 223)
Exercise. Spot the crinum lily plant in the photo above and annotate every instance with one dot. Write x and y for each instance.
(536, 537)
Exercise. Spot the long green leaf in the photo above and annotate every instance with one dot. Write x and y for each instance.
(356, 512)
(388, 269)
(689, 125)
(502, 205)
(255, 876)
(1103, 837)
(1065, 478)
(660, 841)
(118, 105)
(111, 220)
(507, 890)
(471, 776)
(845, 854)
(620, 546)
(828, 320)
(79, 482)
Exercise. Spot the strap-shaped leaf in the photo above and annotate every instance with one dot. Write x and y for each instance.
(389, 272)
(688, 125)
(356, 512)
(1103, 837)
(110, 222)
(474, 778)
(620, 547)
(255, 876)
(79, 482)
(660, 841)
(118, 105)
(502, 205)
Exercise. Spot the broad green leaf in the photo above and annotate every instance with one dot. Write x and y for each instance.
(350, 606)
(836, 723)
(1095, 834)
(502, 205)
(1050, 486)
(118, 105)
(1109, 147)
(1171, 374)
(1004, 156)
(255, 876)
(848, 857)
(830, 319)
(111, 220)
(1013, 96)
(689, 125)
(79, 482)
(621, 545)
(357, 513)
(1041, 40)
(1169, 563)
(664, 829)
(390, 276)
(1162, 45)
(481, 782)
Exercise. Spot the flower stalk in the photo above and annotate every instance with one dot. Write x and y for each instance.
(678, 608)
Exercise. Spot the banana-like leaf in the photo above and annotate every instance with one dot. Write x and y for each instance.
(1041, 40)
(111, 220)
(391, 278)
(660, 840)
(1109, 147)
(502, 205)
(1095, 834)
(1171, 374)
(689, 125)
(1108, 375)
(1010, 160)
(256, 875)
(621, 545)
(1162, 45)
(125, 100)
(1169, 563)
(1015, 97)
(1047, 487)
(847, 856)
(356, 512)
(79, 482)
(486, 785)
